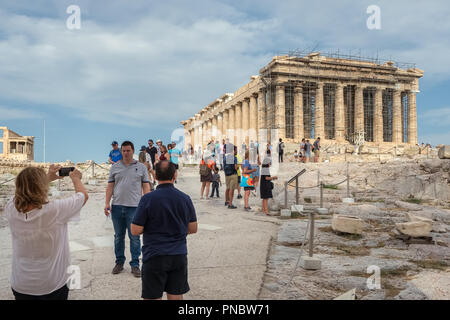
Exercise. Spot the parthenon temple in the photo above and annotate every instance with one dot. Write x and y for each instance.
(15, 147)
(336, 98)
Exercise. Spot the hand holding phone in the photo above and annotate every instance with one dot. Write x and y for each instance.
(64, 172)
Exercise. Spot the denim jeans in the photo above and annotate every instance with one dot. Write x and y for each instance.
(122, 218)
(215, 187)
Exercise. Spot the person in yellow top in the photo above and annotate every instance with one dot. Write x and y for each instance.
(239, 160)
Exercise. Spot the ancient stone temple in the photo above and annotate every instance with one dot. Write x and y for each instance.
(339, 99)
(15, 147)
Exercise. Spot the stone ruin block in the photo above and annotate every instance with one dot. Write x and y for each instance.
(444, 152)
(347, 224)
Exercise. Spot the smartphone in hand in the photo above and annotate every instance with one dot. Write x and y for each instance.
(64, 172)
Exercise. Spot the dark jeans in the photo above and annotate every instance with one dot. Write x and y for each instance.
(280, 157)
(60, 294)
(122, 218)
(215, 187)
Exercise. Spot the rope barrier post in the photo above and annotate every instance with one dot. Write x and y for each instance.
(348, 182)
(321, 194)
(318, 177)
(296, 190)
(285, 195)
(311, 233)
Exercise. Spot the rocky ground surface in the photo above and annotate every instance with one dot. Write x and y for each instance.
(384, 194)
(246, 255)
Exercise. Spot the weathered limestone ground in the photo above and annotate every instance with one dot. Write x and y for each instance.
(408, 271)
(246, 255)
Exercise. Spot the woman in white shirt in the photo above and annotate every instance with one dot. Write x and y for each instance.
(39, 234)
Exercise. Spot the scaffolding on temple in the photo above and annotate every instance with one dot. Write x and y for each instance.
(275, 119)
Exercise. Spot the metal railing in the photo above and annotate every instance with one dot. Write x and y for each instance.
(286, 184)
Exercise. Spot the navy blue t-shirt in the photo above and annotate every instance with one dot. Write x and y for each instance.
(165, 214)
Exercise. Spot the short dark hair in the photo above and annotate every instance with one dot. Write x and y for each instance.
(150, 140)
(165, 170)
(127, 143)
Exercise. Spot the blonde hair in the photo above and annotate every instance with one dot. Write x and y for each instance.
(31, 189)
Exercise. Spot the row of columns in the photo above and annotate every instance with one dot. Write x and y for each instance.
(244, 119)
(339, 125)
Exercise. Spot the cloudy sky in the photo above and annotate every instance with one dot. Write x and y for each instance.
(136, 68)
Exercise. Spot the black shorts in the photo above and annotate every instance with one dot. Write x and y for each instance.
(249, 188)
(164, 274)
(176, 166)
(60, 294)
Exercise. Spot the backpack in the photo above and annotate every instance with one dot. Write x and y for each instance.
(204, 170)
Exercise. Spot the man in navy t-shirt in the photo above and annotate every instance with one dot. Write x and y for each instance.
(115, 155)
(165, 217)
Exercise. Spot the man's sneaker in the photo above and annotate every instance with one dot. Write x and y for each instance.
(231, 207)
(239, 196)
(136, 272)
(226, 203)
(117, 269)
(248, 209)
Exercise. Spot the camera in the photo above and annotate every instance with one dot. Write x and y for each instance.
(64, 172)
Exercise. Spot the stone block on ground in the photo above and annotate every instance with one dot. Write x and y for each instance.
(415, 228)
(285, 213)
(414, 218)
(298, 208)
(347, 224)
(349, 295)
(310, 263)
(444, 152)
(348, 200)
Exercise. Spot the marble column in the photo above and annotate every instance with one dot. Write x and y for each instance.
(238, 123)
(230, 133)
(412, 118)
(339, 125)
(253, 126)
(378, 116)
(220, 126)
(280, 112)
(359, 109)
(245, 122)
(319, 119)
(262, 126)
(397, 117)
(225, 124)
(298, 114)
(214, 128)
(192, 132)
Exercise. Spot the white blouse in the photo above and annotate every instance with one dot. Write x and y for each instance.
(40, 243)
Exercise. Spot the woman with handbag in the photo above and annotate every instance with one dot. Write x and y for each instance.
(206, 175)
(266, 185)
(247, 179)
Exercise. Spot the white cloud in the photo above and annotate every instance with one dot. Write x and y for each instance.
(8, 113)
(135, 61)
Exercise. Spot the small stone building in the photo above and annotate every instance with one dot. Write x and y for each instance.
(15, 147)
